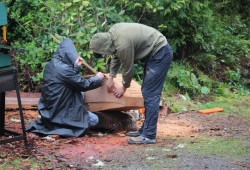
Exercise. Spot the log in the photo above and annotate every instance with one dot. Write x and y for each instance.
(100, 100)
(111, 110)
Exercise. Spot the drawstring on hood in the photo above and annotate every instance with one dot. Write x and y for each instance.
(101, 43)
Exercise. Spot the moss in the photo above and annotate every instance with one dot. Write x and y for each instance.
(20, 163)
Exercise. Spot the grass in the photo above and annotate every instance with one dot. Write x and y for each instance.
(20, 163)
(225, 147)
(237, 105)
(187, 153)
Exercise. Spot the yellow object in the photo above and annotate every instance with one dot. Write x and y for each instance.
(4, 33)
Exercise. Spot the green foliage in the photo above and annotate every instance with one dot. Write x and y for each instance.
(138, 72)
(193, 82)
(182, 76)
(211, 37)
(76, 19)
(200, 32)
(223, 89)
(100, 65)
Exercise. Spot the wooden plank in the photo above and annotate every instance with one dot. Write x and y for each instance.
(99, 99)
(212, 110)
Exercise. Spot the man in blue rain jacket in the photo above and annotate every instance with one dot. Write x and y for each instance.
(61, 105)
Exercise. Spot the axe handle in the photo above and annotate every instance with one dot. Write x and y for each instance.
(89, 67)
(54, 38)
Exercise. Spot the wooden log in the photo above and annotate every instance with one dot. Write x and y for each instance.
(99, 99)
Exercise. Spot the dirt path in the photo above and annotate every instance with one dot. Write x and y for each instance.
(110, 151)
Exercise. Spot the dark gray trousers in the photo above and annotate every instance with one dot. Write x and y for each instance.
(155, 71)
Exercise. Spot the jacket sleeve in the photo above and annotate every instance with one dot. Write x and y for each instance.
(126, 57)
(115, 66)
(77, 82)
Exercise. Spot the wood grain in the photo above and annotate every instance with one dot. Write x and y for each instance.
(99, 99)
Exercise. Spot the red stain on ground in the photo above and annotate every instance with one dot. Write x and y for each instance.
(92, 146)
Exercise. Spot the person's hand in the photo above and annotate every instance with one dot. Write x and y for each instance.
(79, 61)
(100, 75)
(110, 84)
(118, 92)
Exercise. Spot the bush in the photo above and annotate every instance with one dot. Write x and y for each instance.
(36, 20)
(210, 39)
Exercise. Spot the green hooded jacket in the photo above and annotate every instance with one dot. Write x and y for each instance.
(127, 42)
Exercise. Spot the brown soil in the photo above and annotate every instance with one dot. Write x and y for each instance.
(112, 148)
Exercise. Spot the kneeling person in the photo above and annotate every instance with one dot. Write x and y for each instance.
(61, 106)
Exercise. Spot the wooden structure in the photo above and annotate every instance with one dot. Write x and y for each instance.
(99, 99)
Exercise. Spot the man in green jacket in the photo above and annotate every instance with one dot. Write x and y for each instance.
(127, 42)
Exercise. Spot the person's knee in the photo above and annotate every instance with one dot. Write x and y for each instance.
(93, 119)
(94, 122)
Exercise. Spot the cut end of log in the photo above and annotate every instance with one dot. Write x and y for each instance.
(114, 121)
